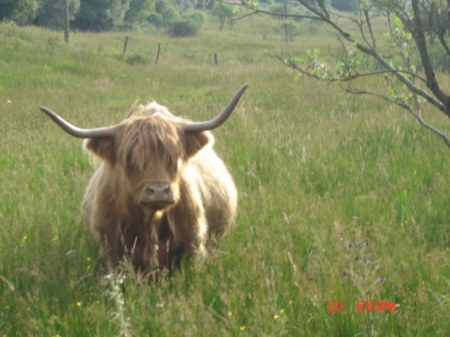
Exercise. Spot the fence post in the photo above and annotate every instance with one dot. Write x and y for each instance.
(125, 45)
(66, 21)
(215, 59)
(157, 53)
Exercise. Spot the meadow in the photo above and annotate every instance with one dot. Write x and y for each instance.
(341, 198)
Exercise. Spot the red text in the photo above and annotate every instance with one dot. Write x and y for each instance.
(375, 306)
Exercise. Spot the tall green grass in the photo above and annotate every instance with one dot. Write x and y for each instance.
(341, 198)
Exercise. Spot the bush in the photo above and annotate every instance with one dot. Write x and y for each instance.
(169, 13)
(160, 6)
(182, 28)
(293, 28)
(124, 27)
(195, 16)
(138, 58)
(156, 20)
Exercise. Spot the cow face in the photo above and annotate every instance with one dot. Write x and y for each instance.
(150, 151)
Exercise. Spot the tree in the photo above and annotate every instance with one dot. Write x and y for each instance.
(139, 10)
(6, 8)
(289, 25)
(66, 21)
(51, 12)
(23, 12)
(167, 11)
(223, 12)
(410, 74)
(346, 5)
(100, 15)
(182, 28)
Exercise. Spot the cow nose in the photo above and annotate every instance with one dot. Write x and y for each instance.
(158, 190)
(157, 194)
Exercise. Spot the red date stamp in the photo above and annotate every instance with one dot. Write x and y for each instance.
(364, 305)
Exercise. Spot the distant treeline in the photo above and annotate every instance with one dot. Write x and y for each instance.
(176, 17)
(106, 15)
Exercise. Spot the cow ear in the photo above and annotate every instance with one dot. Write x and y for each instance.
(103, 147)
(195, 141)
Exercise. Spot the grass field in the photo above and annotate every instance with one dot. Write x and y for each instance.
(341, 198)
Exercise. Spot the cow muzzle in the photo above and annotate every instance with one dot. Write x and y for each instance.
(157, 195)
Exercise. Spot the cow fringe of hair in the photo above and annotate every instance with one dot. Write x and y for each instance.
(139, 110)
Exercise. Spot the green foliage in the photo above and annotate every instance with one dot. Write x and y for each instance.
(156, 20)
(166, 10)
(138, 58)
(204, 5)
(188, 25)
(100, 15)
(22, 12)
(278, 8)
(125, 27)
(139, 10)
(346, 5)
(291, 27)
(182, 28)
(169, 13)
(161, 5)
(439, 57)
(223, 12)
(6, 8)
(50, 13)
(197, 17)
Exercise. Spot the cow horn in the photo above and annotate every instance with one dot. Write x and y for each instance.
(77, 132)
(217, 121)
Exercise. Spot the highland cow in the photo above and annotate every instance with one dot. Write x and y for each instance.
(160, 189)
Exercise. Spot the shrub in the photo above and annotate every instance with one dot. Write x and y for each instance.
(124, 27)
(156, 20)
(182, 28)
(138, 58)
(169, 13)
(160, 6)
(195, 16)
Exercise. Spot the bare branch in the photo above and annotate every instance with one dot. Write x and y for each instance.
(417, 115)
(369, 25)
(348, 78)
(351, 64)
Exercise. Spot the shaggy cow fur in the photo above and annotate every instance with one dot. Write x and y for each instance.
(150, 147)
